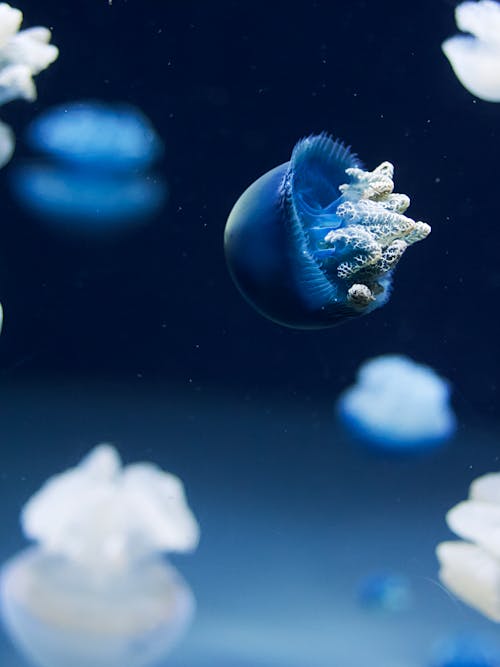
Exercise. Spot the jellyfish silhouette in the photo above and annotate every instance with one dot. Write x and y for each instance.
(385, 591)
(398, 405)
(83, 201)
(475, 57)
(95, 177)
(315, 241)
(471, 569)
(95, 591)
(464, 650)
(92, 134)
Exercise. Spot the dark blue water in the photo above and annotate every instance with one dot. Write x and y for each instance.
(141, 339)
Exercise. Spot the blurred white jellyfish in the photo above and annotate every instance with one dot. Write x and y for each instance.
(398, 405)
(95, 591)
(475, 57)
(471, 569)
(22, 55)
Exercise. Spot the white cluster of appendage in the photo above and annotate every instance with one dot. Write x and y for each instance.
(475, 57)
(375, 228)
(22, 55)
(106, 517)
(471, 569)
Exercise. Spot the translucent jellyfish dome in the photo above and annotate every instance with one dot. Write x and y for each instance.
(471, 568)
(96, 591)
(93, 134)
(398, 405)
(95, 175)
(475, 56)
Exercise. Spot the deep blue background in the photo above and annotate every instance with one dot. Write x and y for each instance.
(141, 338)
(230, 87)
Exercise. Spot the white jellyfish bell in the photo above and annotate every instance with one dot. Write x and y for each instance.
(96, 591)
(398, 405)
(475, 57)
(471, 569)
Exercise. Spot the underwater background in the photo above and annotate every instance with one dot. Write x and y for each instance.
(139, 337)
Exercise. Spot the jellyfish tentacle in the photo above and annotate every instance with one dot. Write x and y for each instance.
(358, 244)
(373, 221)
(360, 296)
(391, 255)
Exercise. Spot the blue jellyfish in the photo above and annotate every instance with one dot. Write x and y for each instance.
(398, 405)
(95, 135)
(315, 241)
(464, 650)
(85, 201)
(385, 591)
(96, 590)
(96, 177)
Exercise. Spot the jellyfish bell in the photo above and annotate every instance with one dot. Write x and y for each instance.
(471, 568)
(96, 590)
(92, 134)
(315, 241)
(397, 406)
(59, 615)
(94, 178)
(464, 650)
(476, 66)
(85, 202)
(475, 57)
(385, 591)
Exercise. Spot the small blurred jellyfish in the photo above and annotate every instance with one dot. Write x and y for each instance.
(398, 405)
(95, 177)
(84, 200)
(385, 591)
(96, 135)
(464, 651)
(95, 591)
(22, 55)
(471, 570)
(475, 57)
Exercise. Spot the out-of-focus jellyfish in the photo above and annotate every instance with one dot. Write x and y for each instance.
(85, 201)
(471, 569)
(315, 241)
(385, 591)
(22, 55)
(97, 135)
(95, 591)
(464, 651)
(398, 405)
(475, 57)
(95, 178)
